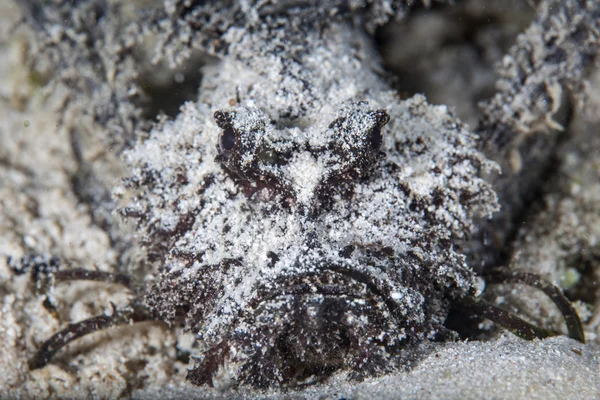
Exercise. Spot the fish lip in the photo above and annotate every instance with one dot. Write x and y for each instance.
(374, 286)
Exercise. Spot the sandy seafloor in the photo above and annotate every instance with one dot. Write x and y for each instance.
(38, 207)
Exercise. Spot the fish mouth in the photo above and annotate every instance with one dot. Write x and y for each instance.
(300, 329)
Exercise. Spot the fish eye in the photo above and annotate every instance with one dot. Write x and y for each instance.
(227, 140)
(375, 138)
